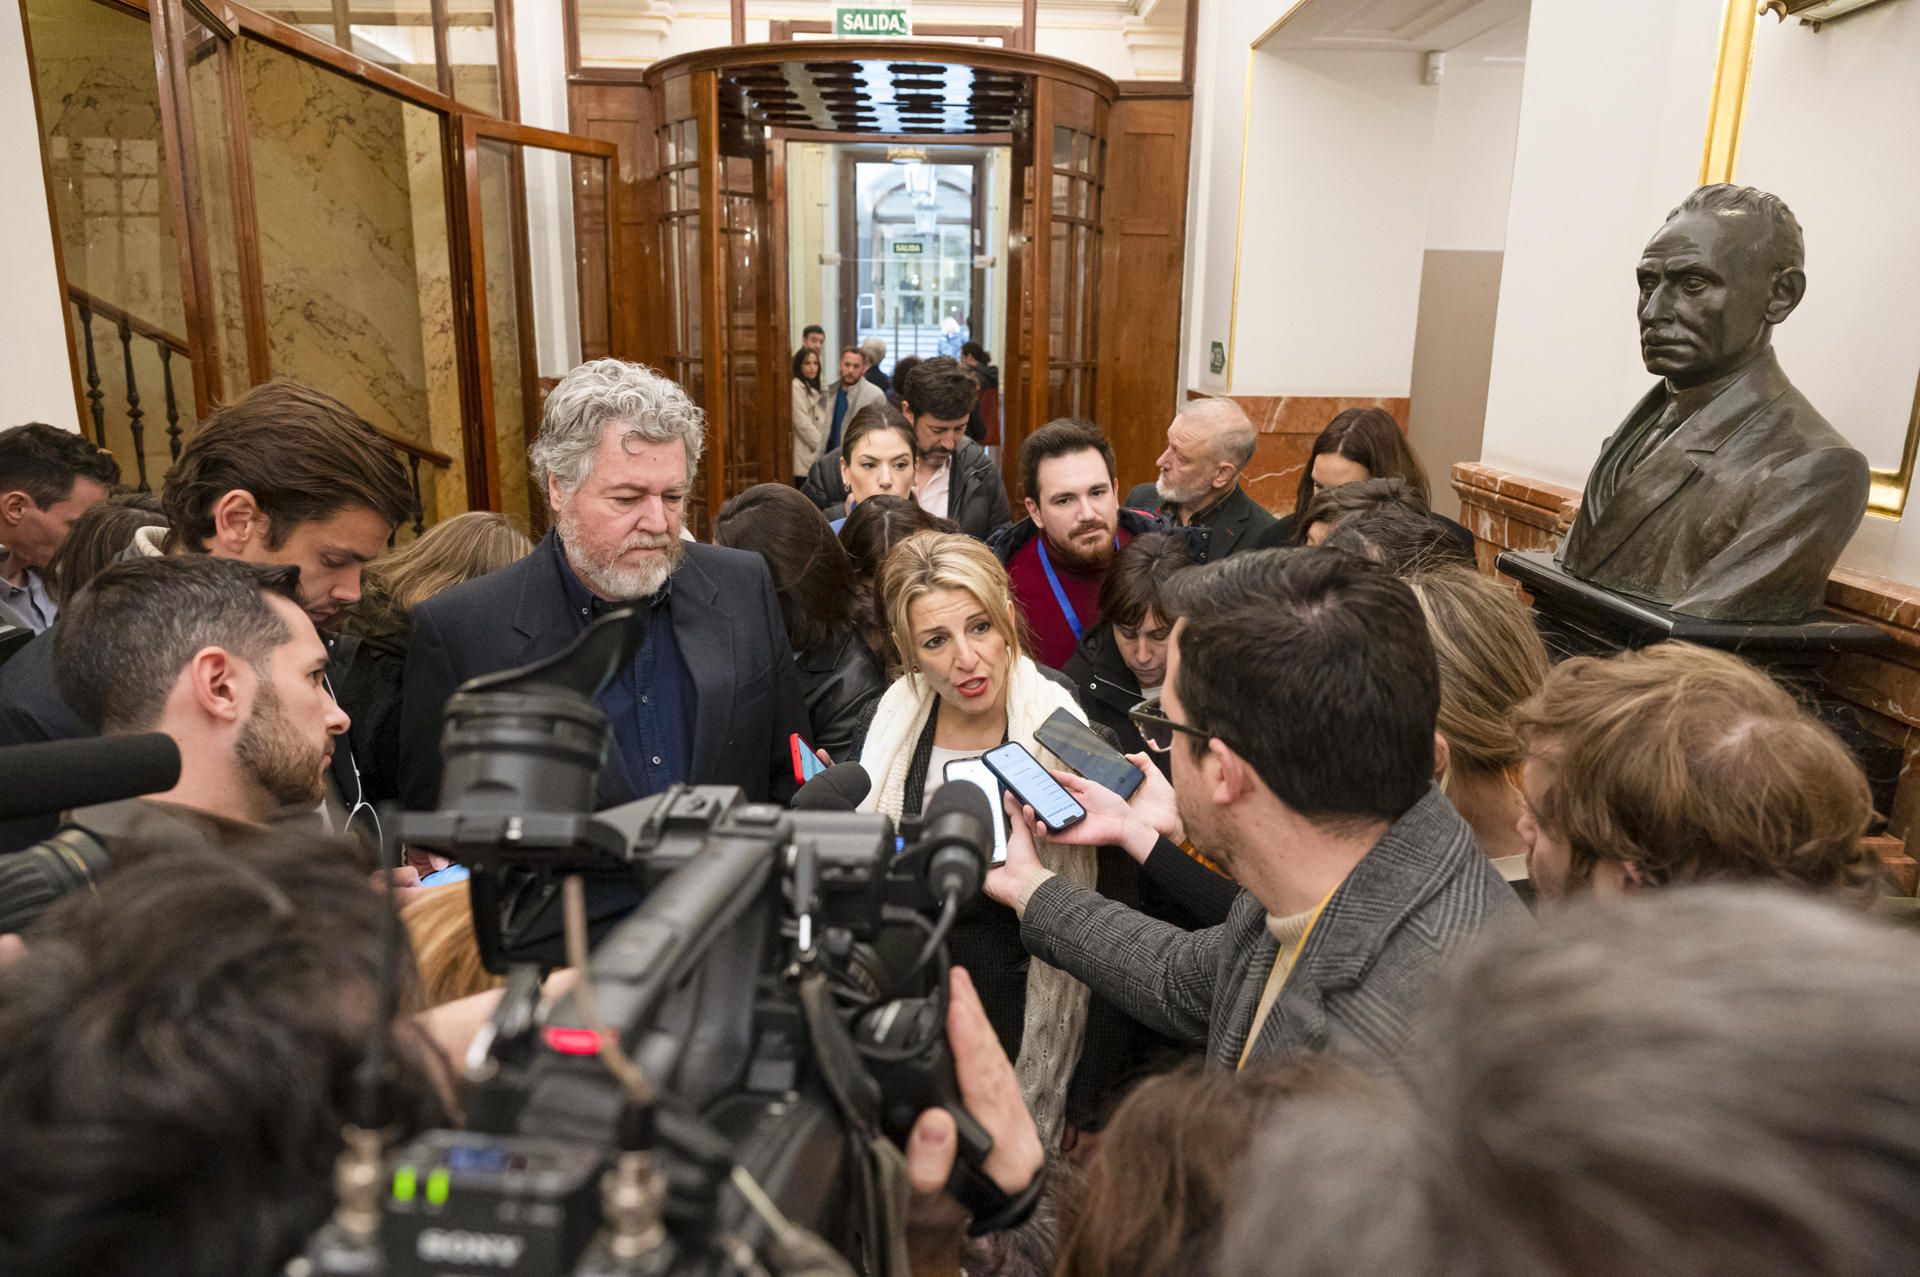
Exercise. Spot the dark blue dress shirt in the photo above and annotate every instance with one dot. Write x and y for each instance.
(651, 704)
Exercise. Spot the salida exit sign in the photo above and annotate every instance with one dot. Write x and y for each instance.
(864, 21)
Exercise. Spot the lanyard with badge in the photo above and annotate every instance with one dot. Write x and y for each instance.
(1059, 592)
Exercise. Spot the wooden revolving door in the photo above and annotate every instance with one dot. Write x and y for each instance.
(704, 141)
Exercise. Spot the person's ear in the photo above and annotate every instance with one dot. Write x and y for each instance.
(1788, 287)
(1033, 509)
(1442, 759)
(14, 505)
(236, 522)
(1225, 775)
(1634, 879)
(216, 685)
(1223, 473)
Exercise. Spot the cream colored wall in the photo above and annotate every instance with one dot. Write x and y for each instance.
(1613, 119)
(33, 322)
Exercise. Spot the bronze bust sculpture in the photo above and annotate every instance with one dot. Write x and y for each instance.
(1724, 494)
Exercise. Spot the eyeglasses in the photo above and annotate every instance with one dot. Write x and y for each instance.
(1156, 729)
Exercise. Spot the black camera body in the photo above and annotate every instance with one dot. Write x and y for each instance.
(735, 960)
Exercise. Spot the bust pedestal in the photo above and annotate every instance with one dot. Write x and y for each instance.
(1578, 618)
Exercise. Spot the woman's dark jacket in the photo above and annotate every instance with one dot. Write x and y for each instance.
(841, 681)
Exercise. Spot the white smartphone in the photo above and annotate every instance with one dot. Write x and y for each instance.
(971, 771)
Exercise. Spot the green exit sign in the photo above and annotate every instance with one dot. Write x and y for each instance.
(909, 248)
(865, 21)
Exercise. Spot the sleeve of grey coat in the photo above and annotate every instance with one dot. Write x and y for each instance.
(425, 686)
(1157, 973)
(1799, 521)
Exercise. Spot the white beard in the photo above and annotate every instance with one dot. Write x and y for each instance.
(1173, 496)
(612, 579)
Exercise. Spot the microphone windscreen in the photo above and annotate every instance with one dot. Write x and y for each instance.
(44, 779)
(842, 787)
(968, 804)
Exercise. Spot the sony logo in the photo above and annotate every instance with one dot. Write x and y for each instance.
(447, 1246)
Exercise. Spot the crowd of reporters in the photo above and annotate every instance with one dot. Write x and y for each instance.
(1281, 1010)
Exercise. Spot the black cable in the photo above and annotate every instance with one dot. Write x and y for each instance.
(936, 940)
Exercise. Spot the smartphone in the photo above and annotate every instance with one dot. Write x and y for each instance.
(806, 764)
(1081, 748)
(971, 771)
(1022, 773)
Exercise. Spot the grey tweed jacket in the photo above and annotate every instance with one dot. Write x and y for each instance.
(1368, 969)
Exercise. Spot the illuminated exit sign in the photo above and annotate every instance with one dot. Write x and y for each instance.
(865, 21)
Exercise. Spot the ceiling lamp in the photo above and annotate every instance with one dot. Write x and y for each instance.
(1813, 12)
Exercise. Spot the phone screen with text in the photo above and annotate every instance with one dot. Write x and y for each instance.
(1022, 773)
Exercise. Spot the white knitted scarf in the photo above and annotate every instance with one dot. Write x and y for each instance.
(1056, 1015)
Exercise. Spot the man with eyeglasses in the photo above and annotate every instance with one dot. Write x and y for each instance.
(1299, 712)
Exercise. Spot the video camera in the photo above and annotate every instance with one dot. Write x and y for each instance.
(726, 1083)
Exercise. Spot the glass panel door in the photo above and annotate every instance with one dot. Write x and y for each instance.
(914, 258)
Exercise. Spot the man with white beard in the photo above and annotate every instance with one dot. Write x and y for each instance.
(1209, 445)
(712, 697)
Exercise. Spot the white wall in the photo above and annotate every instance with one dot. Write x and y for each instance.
(33, 323)
(1474, 132)
(1613, 121)
(1335, 224)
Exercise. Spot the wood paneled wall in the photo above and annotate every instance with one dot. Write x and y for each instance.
(1143, 255)
(623, 113)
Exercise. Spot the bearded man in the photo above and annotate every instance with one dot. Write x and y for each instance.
(1057, 556)
(711, 697)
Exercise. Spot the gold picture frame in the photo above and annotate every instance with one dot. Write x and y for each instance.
(1732, 65)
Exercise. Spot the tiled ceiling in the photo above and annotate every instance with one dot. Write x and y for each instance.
(876, 97)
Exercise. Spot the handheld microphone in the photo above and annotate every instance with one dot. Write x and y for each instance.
(842, 787)
(955, 832)
(45, 779)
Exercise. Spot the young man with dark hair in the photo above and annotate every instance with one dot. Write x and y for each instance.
(218, 656)
(48, 478)
(177, 1059)
(282, 476)
(1303, 691)
(1057, 556)
(955, 478)
(813, 337)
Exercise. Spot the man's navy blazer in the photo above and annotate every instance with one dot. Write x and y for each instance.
(747, 698)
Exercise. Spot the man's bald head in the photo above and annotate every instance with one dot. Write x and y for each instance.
(1208, 445)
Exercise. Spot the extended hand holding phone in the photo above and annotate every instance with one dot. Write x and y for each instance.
(971, 771)
(1081, 748)
(806, 764)
(1022, 773)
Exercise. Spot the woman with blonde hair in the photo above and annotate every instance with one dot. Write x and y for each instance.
(439, 924)
(1492, 663)
(967, 686)
(447, 554)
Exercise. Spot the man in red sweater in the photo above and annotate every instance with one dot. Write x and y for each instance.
(1057, 555)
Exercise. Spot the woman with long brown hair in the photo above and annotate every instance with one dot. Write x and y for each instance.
(1360, 443)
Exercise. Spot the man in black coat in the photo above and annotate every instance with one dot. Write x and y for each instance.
(712, 697)
(1209, 445)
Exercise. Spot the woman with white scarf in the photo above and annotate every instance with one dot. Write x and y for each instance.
(966, 688)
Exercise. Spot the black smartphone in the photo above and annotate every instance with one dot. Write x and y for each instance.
(1022, 773)
(1081, 748)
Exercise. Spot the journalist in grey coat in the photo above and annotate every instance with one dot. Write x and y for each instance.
(1362, 977)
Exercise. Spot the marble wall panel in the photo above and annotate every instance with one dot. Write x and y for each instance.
(1288, 425)
(335, 196)
(443, 489)
(93, 69)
